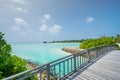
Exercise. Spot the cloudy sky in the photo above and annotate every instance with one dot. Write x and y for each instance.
(48, 20)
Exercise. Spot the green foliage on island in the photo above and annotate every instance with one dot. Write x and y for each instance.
(89, 43)
(9, 64)
(118, 38)
(68, 41)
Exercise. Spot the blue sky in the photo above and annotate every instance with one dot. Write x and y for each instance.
(48, 20)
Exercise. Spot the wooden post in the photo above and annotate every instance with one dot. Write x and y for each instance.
(74, 62)
(88, 53)
(97, 52)
(48, 72)
(40, 75)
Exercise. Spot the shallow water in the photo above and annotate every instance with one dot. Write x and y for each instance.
(39, 52)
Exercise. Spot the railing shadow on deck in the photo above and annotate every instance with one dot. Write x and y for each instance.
(64, 67)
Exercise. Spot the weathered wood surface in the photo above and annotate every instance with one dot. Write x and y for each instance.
(106, 68)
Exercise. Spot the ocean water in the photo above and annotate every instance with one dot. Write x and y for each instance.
(39, 52)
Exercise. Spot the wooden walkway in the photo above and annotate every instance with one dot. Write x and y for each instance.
(106, 68)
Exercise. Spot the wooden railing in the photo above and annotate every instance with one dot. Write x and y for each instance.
(64, 67)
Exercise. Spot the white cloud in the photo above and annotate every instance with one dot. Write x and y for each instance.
(26, 32)
(44, 27)
(29, 31)
(21, 30)
(20, 21)
(43, 20)
(55, 29)
(10, 7)
(18, 9)
(20, 1)
(46, 18)
(89, 19)
(16, 28)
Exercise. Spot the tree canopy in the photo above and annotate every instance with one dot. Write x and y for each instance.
(9, 64)
(68, 41)
(89, 43)
(118, 38)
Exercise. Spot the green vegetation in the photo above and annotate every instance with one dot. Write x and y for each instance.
(68, 41)
(118, 38)
(9, 64)
(89, 43)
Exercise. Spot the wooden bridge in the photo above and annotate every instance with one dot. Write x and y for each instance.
(100, 63)
(106, 68)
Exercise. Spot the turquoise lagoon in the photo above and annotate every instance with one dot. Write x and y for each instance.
(39, 52)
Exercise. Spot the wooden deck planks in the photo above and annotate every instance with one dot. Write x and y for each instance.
(106, 68)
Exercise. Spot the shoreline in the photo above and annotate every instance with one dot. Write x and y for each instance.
(31, 64)
(72, 50)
